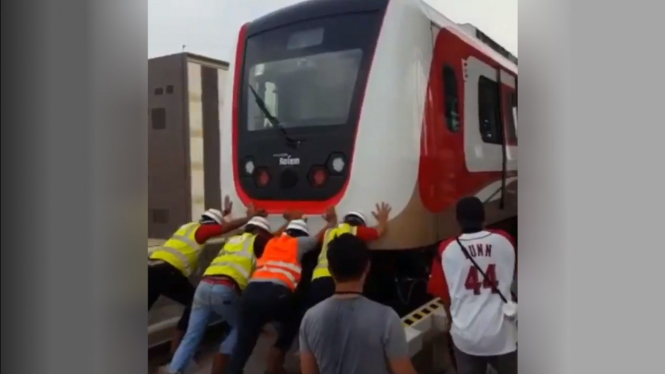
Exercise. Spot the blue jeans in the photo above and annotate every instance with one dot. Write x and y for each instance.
(209, 300)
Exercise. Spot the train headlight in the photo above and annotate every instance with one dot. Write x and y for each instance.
(336, 163)
(249, 167)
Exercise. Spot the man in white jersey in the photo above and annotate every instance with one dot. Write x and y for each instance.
(481, 334)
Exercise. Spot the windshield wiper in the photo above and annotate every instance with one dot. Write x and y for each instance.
(273, 120)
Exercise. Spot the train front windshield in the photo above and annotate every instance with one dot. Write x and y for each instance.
(302, 88)
(306, 74)
(306, 91)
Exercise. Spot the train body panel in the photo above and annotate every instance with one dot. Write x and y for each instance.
(408, 112)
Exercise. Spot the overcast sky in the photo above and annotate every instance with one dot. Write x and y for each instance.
(210, 27)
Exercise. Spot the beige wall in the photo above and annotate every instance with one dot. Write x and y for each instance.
(196, 139)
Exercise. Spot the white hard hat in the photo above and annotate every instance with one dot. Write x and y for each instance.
(298, 224)
(259, 222)
(358, 215)
(214, 215)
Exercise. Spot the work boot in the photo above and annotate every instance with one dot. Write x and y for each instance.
(219, 363)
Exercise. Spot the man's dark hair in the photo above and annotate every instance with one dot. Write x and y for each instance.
(470, 213)
(348, 257)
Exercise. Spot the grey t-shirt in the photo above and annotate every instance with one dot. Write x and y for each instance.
(353, 336)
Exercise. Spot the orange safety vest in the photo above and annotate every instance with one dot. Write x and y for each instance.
(280, 262)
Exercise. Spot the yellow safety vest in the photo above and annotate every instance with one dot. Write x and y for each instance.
(235, 260)
(321, 269)
(181, 251)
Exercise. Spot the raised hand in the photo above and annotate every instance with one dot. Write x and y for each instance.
(261, 212)
(382, 212)
(292, 215)
(331, 215)
(251, 210)
(228, 206)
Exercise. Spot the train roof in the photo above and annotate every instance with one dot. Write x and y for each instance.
(469, 33)
(481, 41)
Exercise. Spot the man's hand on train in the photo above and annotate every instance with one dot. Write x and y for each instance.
(252, 211)
(228, 206)
(382, 213)
(292, 215)
(331, 215)
(261, 213)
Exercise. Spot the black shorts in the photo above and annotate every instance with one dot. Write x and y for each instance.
(164, 279)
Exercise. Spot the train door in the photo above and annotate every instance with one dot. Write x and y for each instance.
(489, 112)
(462, 149)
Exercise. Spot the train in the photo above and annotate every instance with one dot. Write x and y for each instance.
(348, 103)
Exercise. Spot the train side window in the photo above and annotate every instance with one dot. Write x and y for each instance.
(510, 109)
(451, 99)
(488, 113)
(515, 111)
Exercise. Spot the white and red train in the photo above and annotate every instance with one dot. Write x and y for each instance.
(351, 102)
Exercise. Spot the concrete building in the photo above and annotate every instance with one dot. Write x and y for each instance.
(185, 100)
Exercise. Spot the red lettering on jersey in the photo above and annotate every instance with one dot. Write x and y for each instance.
(479, 249)
(474, 283)
(472, 250)
(490, 278)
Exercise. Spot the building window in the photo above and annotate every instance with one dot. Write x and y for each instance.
(158, 118)
(169, 89)
(488, 113)
(159, 91)
(451, 99)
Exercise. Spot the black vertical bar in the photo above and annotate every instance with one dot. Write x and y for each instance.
(211, 140)
(186, 136)
(503, 141)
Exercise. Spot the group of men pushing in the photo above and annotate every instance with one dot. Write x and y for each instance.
(252, 281)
